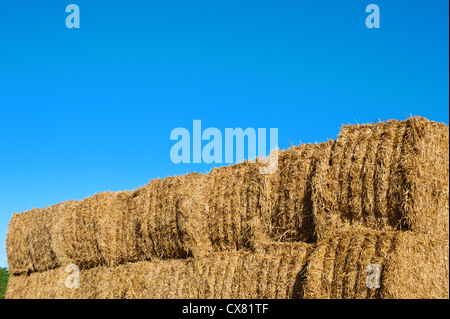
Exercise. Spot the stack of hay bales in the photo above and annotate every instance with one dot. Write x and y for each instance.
(378, 195)
(382, 198)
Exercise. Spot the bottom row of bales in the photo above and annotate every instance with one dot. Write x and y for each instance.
(350, 263)
(265, 273)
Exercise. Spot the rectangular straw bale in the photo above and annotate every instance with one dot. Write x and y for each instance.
(340, 260)
(59, 228)
(115, 228)
(417, 268)
(351, 187)
(271, 273)
(19, 254)
(97, 230)
(51, 284)
(171, 217)
(291, 207)
(215, 275)
(30, 243)
(385, 176)
(236, 206)
(423, 170)
(411, 265)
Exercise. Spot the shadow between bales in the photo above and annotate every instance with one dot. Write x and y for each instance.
(298, 291)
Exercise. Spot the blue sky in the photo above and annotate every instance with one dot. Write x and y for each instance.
(89, 110)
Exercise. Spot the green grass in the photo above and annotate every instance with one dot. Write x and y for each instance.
(4, 275)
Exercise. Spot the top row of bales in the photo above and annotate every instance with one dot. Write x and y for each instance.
(385, 176)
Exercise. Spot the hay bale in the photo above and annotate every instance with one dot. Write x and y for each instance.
(18, 255)
(216, 275)
(418, 268)
(291, 209)
(30, 243)
(337, 267)
(116, 229)
(171, 217)
(423, 193)
(236, 206)
(59, 229)
(98, 230)
(385, 176)
(270, 272)
(350, 188)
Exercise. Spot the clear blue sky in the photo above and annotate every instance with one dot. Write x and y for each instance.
(89, 110)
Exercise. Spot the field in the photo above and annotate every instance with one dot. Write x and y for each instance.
(4, 275)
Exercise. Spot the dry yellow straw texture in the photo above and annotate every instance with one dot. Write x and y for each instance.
(31, 242)
(235, 206)
(411, 265)
(177, 217)
(385, 186)
(385, 176)
(97, 230)
(170, 217)
(217, 275)
(290, 193)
